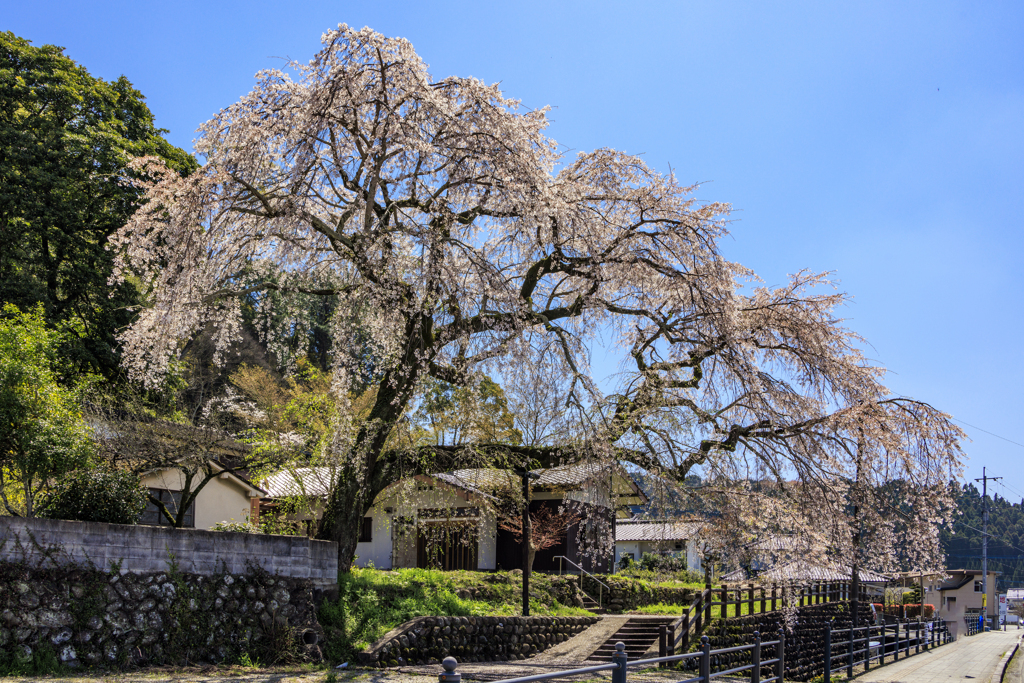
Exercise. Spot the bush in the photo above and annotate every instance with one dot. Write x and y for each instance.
(245, 527)
(912, 611)
(97, 495)
(663, 564)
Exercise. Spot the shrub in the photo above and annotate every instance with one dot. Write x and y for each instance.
(245, 527)
(98, 494)
(662, 564)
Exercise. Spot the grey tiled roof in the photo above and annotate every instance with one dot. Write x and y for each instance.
(628, 530)
(316, 481)
(805, 571)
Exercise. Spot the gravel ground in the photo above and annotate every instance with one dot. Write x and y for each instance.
(296, 675)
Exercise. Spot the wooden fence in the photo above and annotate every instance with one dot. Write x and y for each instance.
(768, 597)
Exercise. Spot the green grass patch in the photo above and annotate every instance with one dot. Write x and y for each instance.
(371, 602)
(716, 610)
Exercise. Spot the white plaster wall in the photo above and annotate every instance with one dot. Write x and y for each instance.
(378, 551)
(221, 500)
(626, 547)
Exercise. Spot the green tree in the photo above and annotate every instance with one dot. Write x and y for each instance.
(42, 433)
(451, 415)
(97, 494)
(65, 140)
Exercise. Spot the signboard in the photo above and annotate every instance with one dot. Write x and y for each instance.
(1002, 605)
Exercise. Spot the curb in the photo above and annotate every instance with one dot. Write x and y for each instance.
(1000, 672)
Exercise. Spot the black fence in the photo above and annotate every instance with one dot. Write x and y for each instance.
(764, 661)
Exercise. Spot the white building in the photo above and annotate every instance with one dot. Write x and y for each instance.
(633, 538)
(450, 520)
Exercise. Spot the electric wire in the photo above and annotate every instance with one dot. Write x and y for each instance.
(967, 424)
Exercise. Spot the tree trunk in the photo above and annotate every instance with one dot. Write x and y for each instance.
(343, 518)
(361, 476)
(528, 551)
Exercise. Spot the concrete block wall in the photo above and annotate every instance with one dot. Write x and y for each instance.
(146, 549)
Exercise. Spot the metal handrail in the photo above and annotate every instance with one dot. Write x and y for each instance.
(600, 593)
(561, 674)
(776, 664)
(584, 571)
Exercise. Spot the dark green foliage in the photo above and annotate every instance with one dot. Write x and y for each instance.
(97, 495)
(1006, 543)
(656, 562)
(65, 141)
(42, 661)
(912, 596)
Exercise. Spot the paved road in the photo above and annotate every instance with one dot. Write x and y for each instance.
(973, 658)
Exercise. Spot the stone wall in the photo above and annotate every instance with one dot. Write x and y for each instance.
(625, 594)
(84, 615)
(148, 549)
(805, 640)
(471, 639)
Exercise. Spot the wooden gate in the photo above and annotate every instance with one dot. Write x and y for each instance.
(447, 545)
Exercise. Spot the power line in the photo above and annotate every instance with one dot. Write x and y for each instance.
(998, 538)
(1012, 490)
(967, 424)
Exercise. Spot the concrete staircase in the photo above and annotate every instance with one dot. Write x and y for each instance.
(639, 636)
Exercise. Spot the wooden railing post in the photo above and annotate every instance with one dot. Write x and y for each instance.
(684, 640)
(763, 600)
(774, 596)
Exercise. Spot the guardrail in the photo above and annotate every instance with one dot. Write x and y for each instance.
(859, 644)
(620, 664)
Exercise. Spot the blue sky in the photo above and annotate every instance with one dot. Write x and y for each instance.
(883, 141)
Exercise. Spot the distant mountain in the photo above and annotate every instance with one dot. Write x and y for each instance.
(1006, 537)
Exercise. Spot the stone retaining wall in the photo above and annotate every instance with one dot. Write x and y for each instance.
(625, 594)
(471, 639)
(99, 618)
(805, 639)
(147, 549)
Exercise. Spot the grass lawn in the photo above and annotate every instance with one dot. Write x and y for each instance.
(372, 602)
(716, 610)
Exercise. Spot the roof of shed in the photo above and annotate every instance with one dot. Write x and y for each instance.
(665, 530)
(806, 571)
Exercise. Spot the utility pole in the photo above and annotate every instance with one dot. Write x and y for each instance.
(984, 545)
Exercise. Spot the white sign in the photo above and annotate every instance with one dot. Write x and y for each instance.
(1002, 606)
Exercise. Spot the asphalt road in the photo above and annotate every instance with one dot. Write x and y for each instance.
(971, 658)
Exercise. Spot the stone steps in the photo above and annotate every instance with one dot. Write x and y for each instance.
(638, 635)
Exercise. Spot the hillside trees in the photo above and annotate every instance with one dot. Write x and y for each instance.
(65, 141)
(43, 435)
(451, 236)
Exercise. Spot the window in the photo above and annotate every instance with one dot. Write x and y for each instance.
(171, 499)
(366, 532)
(977, 587)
